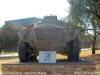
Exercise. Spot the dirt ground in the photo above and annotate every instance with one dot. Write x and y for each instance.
(86, 54)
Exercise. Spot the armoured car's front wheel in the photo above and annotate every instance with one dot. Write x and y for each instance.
(73, 50)
(26, 53)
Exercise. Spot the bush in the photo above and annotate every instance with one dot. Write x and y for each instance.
(8, 37)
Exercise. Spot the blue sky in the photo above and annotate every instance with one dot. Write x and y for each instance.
(16, 9)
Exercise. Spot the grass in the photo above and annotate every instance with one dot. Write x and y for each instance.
(8, 51)
(86, 54)
(8, 59)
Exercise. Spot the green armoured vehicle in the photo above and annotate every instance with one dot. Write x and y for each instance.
(48, 34)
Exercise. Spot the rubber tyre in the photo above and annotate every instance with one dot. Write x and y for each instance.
(74, 50)
(26, 53)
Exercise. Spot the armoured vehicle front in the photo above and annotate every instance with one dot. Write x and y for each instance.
(48, 34)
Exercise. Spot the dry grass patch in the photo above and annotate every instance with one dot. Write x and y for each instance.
(86, 54)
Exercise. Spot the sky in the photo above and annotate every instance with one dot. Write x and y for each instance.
(17, 9)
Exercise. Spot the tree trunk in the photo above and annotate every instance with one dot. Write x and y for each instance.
(0, 51)
(94, 43)
(74, 49)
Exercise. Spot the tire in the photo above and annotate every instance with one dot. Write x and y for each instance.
(25, 52)
(73, 50)
(33, 55)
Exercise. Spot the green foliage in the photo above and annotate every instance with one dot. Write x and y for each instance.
(8, 37)
(86, 14)
(78, 12)
(82, 11)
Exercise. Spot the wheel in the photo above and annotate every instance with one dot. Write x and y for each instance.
(33, 55)
(26, 53)
(73, 50)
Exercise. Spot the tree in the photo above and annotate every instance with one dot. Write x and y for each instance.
(8, 37)
(86, 13)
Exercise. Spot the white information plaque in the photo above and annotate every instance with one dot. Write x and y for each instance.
(47, 57)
